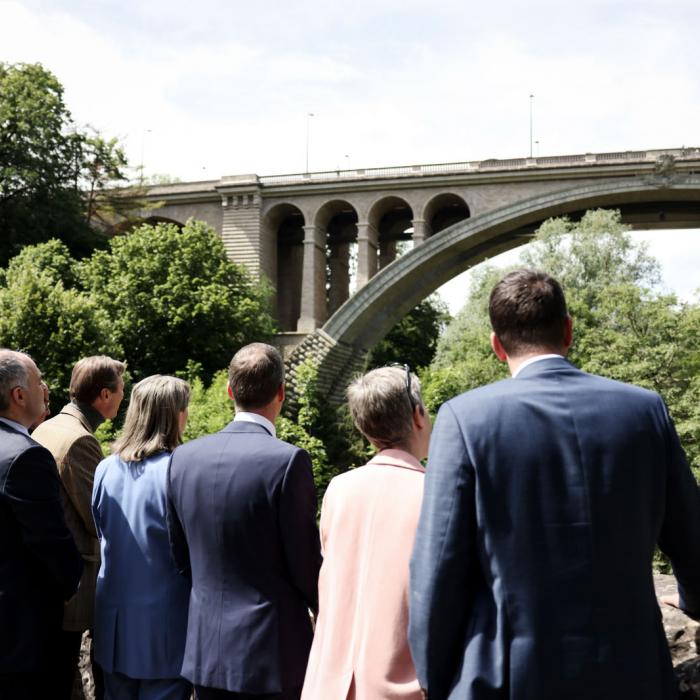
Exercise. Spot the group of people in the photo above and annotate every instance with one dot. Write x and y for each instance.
(517, 566)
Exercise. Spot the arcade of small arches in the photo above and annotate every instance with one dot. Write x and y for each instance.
(324, 254)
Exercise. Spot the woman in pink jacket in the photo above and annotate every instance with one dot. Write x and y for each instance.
(368, 522)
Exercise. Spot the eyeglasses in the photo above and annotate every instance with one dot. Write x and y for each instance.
(407, 369)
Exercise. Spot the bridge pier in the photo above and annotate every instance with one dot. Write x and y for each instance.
(419, 232)
(367, 245)
(313, 282)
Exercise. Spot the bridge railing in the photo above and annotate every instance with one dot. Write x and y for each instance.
(480, 165)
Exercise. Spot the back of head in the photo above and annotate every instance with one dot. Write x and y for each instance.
(92, 374)
(152, 421)
(13, 372)
(255, 375)
(528, 312)
(382, 407)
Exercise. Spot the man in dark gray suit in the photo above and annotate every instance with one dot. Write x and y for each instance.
(545, 497)
(242, 524)
(40, 565)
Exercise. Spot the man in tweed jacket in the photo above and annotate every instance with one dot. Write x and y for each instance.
(96, 390)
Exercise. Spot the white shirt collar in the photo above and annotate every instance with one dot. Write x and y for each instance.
(532, 360)
(256, 418)
(15, 425)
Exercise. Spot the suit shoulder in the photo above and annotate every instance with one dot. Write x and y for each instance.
(631, 390)
(481, 394)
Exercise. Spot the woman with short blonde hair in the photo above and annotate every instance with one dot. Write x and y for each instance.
(368, 522)
(141, 600)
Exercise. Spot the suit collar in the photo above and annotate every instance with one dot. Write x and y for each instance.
(6, 423)
(244, 426)
(75, 411)
(550, 364)
(396, 458)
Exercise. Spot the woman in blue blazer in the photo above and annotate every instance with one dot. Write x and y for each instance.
(141, 600)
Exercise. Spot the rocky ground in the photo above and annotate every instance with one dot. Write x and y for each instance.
(682, 633)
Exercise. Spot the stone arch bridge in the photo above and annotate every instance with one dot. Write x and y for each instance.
(306, 232)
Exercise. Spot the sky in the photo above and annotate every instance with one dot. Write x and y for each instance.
(222, 87)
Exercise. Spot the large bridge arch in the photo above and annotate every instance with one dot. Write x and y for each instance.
(340, 346)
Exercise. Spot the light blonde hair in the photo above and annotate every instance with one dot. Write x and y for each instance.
(381, 407)
(152, 421)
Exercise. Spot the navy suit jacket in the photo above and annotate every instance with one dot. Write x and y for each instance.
(531, 576)
(242, 524)
(40, 566)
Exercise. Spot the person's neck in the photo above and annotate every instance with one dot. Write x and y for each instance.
(411, 446)
(16, 418)
(270, 412)
(515, 362)
(92, 415)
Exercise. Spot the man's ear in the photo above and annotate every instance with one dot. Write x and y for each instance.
(498, 348)
(281, 393)
(229, 391)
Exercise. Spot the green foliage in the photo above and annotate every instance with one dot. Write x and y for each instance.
(310, 425)
(103, 165)
(173, 295)
(413, 340)
(52, 259)
(464, 359)
(56, 180)
(210, 408)
(40, 159)
(54, 324)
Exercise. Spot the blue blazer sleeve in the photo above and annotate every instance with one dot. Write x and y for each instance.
(32, 490)
(441, 583)
(297, 518)
(680, 532)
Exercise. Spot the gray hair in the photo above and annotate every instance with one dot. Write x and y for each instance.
(13, 372)
(381, 407)
(152, 422)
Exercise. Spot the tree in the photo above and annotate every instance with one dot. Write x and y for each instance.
(40, 158)
(173, 296)
(103, 165)
(56, 180)
(413, 340)
(55, 325)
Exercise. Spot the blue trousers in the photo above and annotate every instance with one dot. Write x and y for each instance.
(121, 687)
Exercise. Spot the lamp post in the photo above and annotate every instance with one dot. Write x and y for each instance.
(531, 98)
(309, 115)
(143, 149)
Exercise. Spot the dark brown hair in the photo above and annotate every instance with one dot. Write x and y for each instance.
(528, 312)
(255, 375)
(92, 374)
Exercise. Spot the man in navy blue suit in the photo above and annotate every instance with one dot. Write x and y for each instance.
(545, 497)
(40, 566)
(242, 524)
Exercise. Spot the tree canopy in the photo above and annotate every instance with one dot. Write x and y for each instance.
(56, 179)
(413, 340)
(173, 295)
